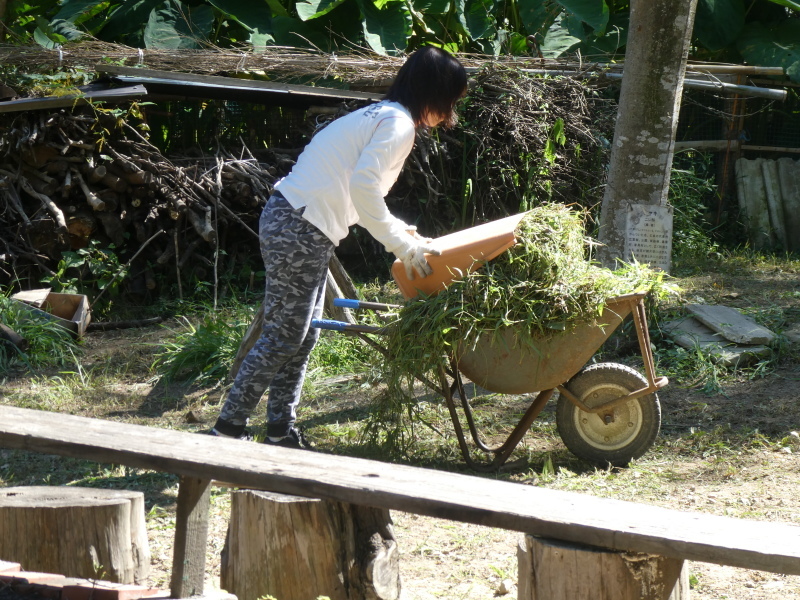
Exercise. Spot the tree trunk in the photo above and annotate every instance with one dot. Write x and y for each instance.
(299, 548)
(77, 532)
(652, 83)
(553, 570)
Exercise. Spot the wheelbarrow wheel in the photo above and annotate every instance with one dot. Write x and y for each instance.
(616, 436)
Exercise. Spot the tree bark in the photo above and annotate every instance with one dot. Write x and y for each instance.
(553, 570)
(78, 532)
(299, 548)
(641, 155)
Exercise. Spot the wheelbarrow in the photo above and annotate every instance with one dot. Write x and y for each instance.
(606, 413)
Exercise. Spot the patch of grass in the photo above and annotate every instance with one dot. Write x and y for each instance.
(50, 344)
(205, 348)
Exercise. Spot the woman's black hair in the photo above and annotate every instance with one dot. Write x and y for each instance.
(430, 83)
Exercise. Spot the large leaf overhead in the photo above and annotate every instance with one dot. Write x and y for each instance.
(386, 30)
(718, 22)
(256, 17)
(311, 9)
(594, 13)
(776, 45)
(175, 25)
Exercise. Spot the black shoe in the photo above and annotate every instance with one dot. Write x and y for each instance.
(293, 439)
(229, 430)
(242, 436)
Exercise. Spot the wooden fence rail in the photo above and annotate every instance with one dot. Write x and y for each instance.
(567, 516)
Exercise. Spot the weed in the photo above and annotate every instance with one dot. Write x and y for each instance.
(204, 353)
(49, 343)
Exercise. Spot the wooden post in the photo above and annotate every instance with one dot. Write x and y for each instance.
(296, 548)
(78, 532)
(554, 570)
(191, 535)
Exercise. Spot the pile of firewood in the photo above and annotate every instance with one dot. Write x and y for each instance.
(71, 177)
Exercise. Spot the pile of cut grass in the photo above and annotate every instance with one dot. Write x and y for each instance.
(543, 285)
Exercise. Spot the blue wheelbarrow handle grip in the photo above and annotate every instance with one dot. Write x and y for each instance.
(329, 324)
(344, 326)
(356, 304)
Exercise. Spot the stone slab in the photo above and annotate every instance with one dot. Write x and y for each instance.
(731, 324)
(690, 333)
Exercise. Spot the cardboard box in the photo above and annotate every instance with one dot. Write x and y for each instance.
(69, 310)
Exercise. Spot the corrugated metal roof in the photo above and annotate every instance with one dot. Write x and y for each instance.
(95, 92)
(128, 83)
(231, 88)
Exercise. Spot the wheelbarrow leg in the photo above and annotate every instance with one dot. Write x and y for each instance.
(502, 452)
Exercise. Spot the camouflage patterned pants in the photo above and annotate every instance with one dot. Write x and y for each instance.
(296, 256)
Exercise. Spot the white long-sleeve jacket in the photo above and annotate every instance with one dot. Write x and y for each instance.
(346, 170)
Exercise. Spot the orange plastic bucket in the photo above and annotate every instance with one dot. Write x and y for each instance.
(462, 252)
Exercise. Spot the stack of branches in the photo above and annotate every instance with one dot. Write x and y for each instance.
(280, 62)
(68, 178)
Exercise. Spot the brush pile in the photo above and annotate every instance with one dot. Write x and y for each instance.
(543, 285)
(71, 178)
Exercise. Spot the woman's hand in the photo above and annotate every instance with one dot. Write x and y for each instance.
(414, 259)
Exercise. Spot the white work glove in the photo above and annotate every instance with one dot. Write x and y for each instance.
(414, 259)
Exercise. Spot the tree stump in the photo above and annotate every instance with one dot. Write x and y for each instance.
(78, 532)
(554, 570)
(299, 548)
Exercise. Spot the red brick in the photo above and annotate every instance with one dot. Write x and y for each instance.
(22, 577)
(106, 590)
(9, 567)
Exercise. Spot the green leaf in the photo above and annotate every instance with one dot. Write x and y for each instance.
(431, 7)
(386, 31)
(776, 45)
(718, 23)
(66, 29)
(257, 20)
(537, 16)
(479, 19)
(594, 13)
(128, 20)
(559, 41)
(312, 9)
(175, 25)
(788, 4)
(78, 10)
(289, 31)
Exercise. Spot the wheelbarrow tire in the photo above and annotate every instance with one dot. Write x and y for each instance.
(633, 425)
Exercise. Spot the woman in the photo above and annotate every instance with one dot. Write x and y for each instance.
(340, 179)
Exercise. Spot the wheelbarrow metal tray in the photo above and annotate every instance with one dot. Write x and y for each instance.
(503, 365)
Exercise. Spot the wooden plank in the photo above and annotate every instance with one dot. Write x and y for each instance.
(753, 202)
(568, 516)
(772, 187)
(191, 537)
(789, 176)
(731, 324)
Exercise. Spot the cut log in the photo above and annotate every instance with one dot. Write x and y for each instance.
(9, 335)
(296, 548)
(553, 570)
(78, 532)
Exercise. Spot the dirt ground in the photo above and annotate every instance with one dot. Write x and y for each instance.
(731, 452)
